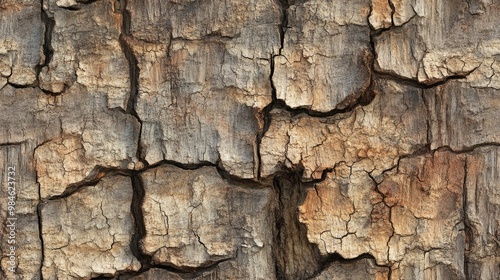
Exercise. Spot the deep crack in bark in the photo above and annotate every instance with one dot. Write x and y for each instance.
(134, 73)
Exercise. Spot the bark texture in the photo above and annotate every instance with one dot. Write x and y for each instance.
(261, 139)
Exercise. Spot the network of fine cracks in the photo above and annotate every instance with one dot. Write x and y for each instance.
(100, 172)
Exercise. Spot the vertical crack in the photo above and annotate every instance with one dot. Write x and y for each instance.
(40, 222)
(266, 117)
(428, 109)
(279, 221)
(467, 226)
(284, 23)
(134, 69)
(294, 256)
(393, 10)
(47, 49)
(139, 226)
(40, 235)
(266, 112)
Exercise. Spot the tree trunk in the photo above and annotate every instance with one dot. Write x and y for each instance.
(260, 139)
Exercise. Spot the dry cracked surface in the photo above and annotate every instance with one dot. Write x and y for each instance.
(271, 139)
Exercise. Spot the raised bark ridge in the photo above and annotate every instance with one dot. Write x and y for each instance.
(266, 139)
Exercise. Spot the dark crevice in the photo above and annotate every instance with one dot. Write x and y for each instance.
(17, 86)
(39, 218)
(86, 2)
(71, 8)
(364, 99)
(237, 181)
(294, 256)
(338, 259)
(92, 179)
(468, 234)
(139, 226)
(212, 38)
(185, 166)
(467, 149)
(48, 92)
(134, 70)
(417, 84)
(393, 10)
(12, 143)
(47, 49)
(266, 117)
(40, 224)
(266, 112)
(183, 273)
(284, 23)
(324, 174)
(332, 258)
(189, 270)
(40, 235)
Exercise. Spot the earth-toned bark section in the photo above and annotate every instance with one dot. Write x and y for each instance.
(88, 234)
(462, 116)
(203, 79)
(441, 38)
(482, 213)
(72, 134)
(91, 136)
(381, 14)
(345, 214)
(19, 227)
(425, 197)
(294, 255)
(133, 126)
(36, 122)
(86, 50)
(325, 60)
(194, 218)
(372, 137)
(21, 39)
(412, 220)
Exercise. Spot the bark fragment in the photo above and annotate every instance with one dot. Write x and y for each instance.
(222, 57)
(194, 218)
(21, 39)
(482, 213)
(442, 39)
(20, 225)
(373, 137)
(87, 54)
(266, 139)
(462, 116)
(325, 60)
(88, 234)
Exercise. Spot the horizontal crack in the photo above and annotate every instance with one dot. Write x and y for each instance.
(467, 149)
(183, 272)
(337, 258)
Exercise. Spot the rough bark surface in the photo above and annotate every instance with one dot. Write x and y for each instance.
(262, 139)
